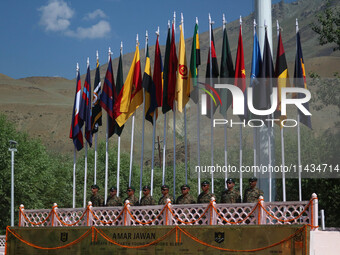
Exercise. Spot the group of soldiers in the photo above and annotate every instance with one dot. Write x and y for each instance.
(229, 195)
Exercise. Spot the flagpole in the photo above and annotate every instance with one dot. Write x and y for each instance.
(198, 134)
(299, 139)
(254, 128)
(95, 144)
(85, 171)
(241, 151)
(107, 147)
(74, 162)
(164, 136)
(118, 152)
(224, 22)
(174, 125)
(132, 133)
(153, 137)
(211, 109)
(143, 128)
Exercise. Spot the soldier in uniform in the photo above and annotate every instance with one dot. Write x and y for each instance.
(185, 198)
(96, 199)
(131, 196)
(252, 194)
(205, 196)
(113, 200)
(165, 192)
(230, 195)
(147, 199)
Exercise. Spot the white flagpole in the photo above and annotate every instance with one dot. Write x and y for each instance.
(255, 128)
(107, 148)
(95, 144)
(198, 135)
(118, 156)
(143, 128)
(153, 138)
(211, 109)
(299, 139)
(224, 22)
(85, 171)
(74, 163)
(185, 125)
(132, 134)
(174, 126)
(241, 151)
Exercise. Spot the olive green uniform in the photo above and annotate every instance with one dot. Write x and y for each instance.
(252, 195)
(113, 201)
(204, 198)
(97, 200)
(147, 200)
(132, 199)
(187, 199)
(231, 196)
(162, 200)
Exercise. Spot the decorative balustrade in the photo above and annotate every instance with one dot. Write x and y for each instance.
(305, 212)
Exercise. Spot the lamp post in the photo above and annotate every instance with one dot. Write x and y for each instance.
(12, 149)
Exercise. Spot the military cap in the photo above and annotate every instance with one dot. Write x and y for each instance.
(113, 188)
(165, 187)
(253, 179)
(230, 180)
(205, 183)
(131, 187)
(147, 187)
(185, 186)
(95, 186)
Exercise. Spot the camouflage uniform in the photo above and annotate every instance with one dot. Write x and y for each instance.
(113, 201)
(187, 199)
(252, 195)
(97, 200)
(231, 196)
(147, 200)
(162, 200)
(204, 198)
(132, 199)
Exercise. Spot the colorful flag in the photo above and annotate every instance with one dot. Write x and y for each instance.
(149, 89)
(75, 131)
(182, 84)
(131, 95)
(116, 89)
(215, 74)
(172, 70)
(85, 107)
(165, 104)
(158, 74)
(227, 71)
(281, 73)
(240, 73)
(107, 97)
(195, 61)
(96, 108)
(300, 80)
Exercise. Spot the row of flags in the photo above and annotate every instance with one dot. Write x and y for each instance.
(176, 81)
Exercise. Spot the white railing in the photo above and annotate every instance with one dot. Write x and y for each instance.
(305, 212)
(2, 244)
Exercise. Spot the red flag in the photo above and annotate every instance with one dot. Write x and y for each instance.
(157, 75)
(172, 71)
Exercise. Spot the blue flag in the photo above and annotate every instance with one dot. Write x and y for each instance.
(85, 108)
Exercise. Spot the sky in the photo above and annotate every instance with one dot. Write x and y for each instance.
(48, 38)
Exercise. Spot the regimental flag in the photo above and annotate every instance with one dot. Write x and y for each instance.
(281, 73)
(131, 95)
(240, 73)
(107, 97)
(150, 90)
(166, 106)
(172, 70)
(85, 107)
(158, 74)
(182, 84)
(195, 61)
(116, 89)
(227, 71)
(75, 131)
(300, 80)
(215, 74)
(96, 108)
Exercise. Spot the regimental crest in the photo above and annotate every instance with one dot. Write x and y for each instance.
(63, 236)
(219, 237)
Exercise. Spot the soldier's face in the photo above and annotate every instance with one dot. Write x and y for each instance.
(94, 191)
(113, 193)
(205, 187)
(230, 185)
(146, 192)
(185, 191)
(130, 192)
(252, 184)
(165, 191)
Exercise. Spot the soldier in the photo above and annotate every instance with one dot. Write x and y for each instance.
(252, 194)
(185, 198)
(230, 195)
(96, 199)
(147, 199)
(165, 192)
(131, 196)
(113, 200)
(205, 196)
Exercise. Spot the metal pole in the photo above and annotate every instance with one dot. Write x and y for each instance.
(224, 22)
(211, 109)
(74, 178)
(174, 126)
(95, 143)
(118, 153)
(198, 135)
(85, 171)
(164, 148)
(12, 150)
(153, 149)
(241, 151)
